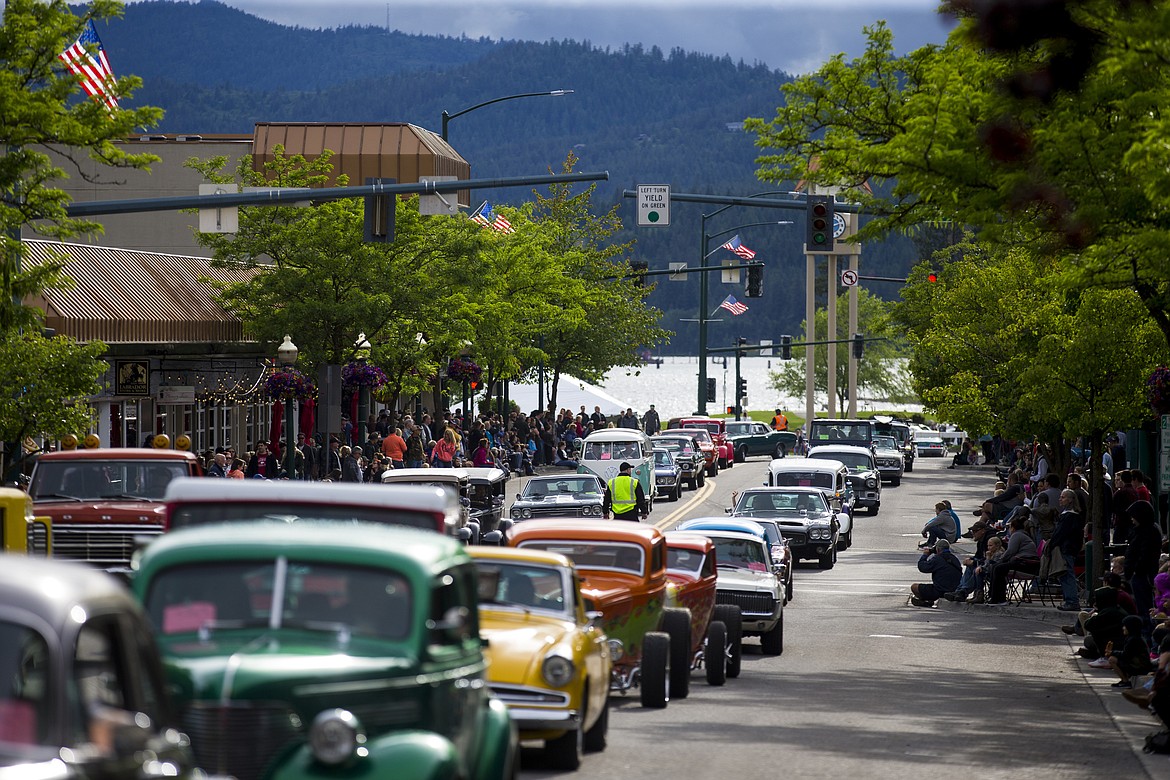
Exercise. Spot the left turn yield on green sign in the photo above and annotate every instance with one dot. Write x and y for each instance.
(653, 205)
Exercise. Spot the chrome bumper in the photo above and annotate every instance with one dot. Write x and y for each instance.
(528, 719)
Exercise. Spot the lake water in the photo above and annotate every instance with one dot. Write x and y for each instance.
(673, 387)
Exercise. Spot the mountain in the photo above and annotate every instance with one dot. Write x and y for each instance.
(644, 115)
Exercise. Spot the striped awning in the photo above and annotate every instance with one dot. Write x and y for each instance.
(127, 296)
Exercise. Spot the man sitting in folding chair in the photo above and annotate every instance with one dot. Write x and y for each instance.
(1020, 556)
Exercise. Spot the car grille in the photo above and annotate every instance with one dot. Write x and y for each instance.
(795, 539)
(750, 604)
(561, 511)
(517, 695)
(107, 546)
(240, 738)
(888, 462)
(38, 540)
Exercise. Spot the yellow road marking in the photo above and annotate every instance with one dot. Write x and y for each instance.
(676, 514)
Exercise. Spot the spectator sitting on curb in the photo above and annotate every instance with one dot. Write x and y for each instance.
(1134, 656)
(941, 526)
(980, 534)
(1102, 627)
(945, 572)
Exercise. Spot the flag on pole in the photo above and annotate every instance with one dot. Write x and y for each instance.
(733, 306)
(488, 218)
(87, 60)
(737, 246)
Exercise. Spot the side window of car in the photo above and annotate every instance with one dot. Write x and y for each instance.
(100, 689)
(658, 556)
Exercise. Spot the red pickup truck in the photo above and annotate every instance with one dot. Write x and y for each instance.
(101, 500)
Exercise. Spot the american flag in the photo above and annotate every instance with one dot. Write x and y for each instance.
(733, 306)
(488, 218)
(735, 245)
(93, 70)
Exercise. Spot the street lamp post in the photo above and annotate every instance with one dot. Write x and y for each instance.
(448, 117)
(361, 351)
(703, 303)
(287, 353)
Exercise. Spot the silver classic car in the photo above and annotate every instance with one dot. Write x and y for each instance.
(889, 459)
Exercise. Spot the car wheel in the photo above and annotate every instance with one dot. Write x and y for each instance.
(788, 589)
(909, 466)
(702, 479)
(895, 482)
(772, 642)
(713, 470)
(715, 653)
(474, 527)
(655, 659)
(595, 737)
(741, 454)
(873, 510)
(827, 560)
(567, 751)
(693, 483)
(730, 616)
(780, 451)
(677, 623)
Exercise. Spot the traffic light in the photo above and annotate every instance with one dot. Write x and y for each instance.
(858, 345)
(786, 348)
(819, 222)
(710, 389)
(755, 281)
(379, 214)
(741, 390)
(932, 277)
(638, 270)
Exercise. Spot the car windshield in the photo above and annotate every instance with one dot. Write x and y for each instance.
(217, 596)
(855, 461)
(711, 427)
(96, 480)
(778, 502)
(577, 486)
(699, 434)
(826, 431)
(928, 438)
(738, 429)
(885, 442)
(740, 554)
(607, 556)
(523, 585)
(685, 446)
(25, 703)
(205, 512)
(663, 458)
(613, 450)
(804, 479)
(684, 559)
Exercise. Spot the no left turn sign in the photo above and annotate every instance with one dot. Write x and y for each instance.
(848, 278)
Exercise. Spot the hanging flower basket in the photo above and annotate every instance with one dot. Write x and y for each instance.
(1158, 387)
(289, 384)
(362, 375)
(464, 369)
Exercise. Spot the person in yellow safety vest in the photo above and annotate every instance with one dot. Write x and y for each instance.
(779, 422)
(624, 496)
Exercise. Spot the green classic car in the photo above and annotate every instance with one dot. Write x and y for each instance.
(755, 438)
(309, 651)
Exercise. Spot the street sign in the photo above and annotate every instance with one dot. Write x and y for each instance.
(848, 278)
(678, 272)
(653, 205)
(176, 395)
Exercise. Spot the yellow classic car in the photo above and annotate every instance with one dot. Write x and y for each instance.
(548, 662)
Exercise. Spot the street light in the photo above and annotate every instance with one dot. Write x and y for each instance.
(422, 346)
(361, 351)
(702, 407)
(287, 354)
(448, 117)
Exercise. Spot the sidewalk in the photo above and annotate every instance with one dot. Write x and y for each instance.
(1131, 722)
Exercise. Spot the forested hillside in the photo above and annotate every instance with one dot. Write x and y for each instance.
(643, 115)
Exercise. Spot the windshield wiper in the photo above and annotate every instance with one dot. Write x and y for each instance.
(133, 497)
(58, 495)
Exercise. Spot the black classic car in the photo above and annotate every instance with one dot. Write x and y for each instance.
(565, 495)
(688, 456)
(668, 474)
(82, 692)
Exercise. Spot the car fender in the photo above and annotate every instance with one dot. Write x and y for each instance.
(845, 522)
(408, 755)
(499, 746)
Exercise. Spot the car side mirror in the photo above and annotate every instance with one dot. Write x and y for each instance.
(729, 510)
(493, 537)
(453, 623)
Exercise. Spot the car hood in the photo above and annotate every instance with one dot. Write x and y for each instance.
(746, 579)
(559, 499)
(518, 643)
(121, 511)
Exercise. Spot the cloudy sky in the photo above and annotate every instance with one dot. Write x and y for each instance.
(793, 35)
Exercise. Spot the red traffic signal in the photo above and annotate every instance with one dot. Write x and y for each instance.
(932, 277)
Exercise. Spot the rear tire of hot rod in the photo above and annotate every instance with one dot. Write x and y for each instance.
(730, 616)
(655, 660)
(677, 623)
(715, 653)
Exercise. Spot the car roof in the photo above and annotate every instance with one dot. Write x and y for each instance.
(560, 477)
(806, 464)
(616, 434)
(729, 524)
(118, 453)
(492, 553)
(488, 472)
(689, 539)
(784, 489)
(596, 530)
(412, 497)
(844, 449)
(51, 589)
(726, 533)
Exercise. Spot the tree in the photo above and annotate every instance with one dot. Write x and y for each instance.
(873, 370)
(615, 319)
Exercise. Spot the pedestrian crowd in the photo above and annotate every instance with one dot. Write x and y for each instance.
(1031, 533)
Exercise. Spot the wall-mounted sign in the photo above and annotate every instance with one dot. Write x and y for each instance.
(132, 377)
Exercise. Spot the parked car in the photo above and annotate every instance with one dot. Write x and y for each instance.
(809, 523)
(716, 429)
(863, 473)
(548, 661)
(623, 576)
(888, 458)
(102, 502)
(561, 495)
(195, 502)
(929, 444)
(716, 629)
(705, 444)
(307, 650)
(902, 433)
(21, 532)
(668, 474)
(831, 477)
(486, 496)
(454, 480)
(754, 438)
(83, 693)
(747, 577)
(687, 455)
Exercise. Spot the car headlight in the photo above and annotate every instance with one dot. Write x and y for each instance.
(336, 736)
(819, 532)
(557, 670)
(871, 483)
(525, 512)
(597, 510)
(616, 649)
